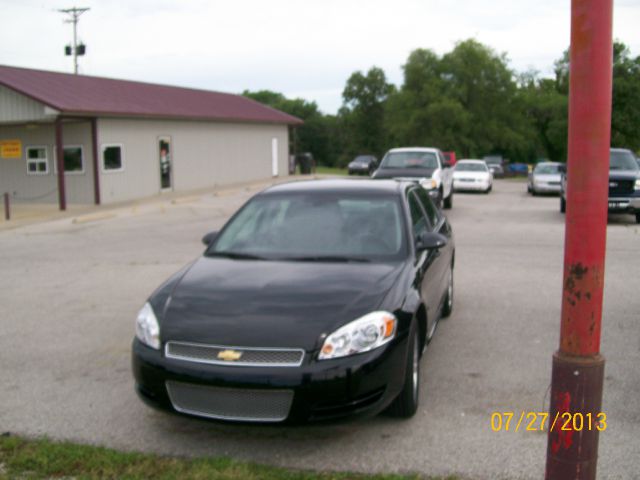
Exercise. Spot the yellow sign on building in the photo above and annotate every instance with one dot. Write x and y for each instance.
(10, 149)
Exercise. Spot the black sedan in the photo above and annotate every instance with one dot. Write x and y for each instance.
(314, 302)
(363, 165)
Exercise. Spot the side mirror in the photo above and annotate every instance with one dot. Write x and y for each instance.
(562, 168)
(209, 238)
(430, 240)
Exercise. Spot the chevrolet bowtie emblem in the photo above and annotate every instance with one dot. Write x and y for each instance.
(229, 355)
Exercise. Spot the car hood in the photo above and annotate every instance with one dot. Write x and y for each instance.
(253, 303)
(547, 177)
(404, 173)
(623, 174)
(473, 175)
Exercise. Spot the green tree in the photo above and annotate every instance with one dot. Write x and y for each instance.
(317, 134)
(625, 113)
(363, 111)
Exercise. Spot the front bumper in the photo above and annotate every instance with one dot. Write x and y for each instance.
(359, 385)
(476, 186)
(546, 187)
(630, 204)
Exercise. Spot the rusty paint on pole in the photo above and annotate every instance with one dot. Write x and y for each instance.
(62, 195)
(578, 368)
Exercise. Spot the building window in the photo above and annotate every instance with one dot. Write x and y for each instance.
(73, 160)
(37, 163)
(112, 158)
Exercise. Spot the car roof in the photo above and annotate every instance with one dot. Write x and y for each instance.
(471, 160)
(413, 149)
(620, 150)
(340, 185)
(547, 163)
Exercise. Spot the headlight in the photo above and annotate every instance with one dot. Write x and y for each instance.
(147, 329)
(428, 183)
(364, 334)
(638, 184)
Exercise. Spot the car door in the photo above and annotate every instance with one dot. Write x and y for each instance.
(442, 260)
(425, 260)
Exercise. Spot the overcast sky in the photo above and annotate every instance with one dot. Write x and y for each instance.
(302, 48)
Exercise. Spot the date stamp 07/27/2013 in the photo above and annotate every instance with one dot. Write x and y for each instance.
(539, 421)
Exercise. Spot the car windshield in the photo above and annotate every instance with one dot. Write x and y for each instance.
(546, 168)
(315, 227)
(410, 160)
(471, 167)
(362, 159)
(622, 161)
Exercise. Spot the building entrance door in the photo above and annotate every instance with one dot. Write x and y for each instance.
(165, 155)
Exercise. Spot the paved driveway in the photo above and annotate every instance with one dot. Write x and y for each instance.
(69, 294)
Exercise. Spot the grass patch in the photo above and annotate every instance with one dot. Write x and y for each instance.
(23, 458)
(322, 170)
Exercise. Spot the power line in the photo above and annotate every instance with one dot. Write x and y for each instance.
(73, 14)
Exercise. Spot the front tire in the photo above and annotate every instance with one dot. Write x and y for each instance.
(563, 205)
(405, 404)
(637, 217)
(448, 202)
(447, 308)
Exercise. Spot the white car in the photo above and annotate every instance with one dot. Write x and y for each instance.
(425, 165)
(472, 175)
(545, 178)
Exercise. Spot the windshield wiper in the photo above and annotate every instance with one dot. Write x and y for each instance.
(327, 258)
(235, 255)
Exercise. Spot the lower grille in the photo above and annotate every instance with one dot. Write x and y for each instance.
(230, 403)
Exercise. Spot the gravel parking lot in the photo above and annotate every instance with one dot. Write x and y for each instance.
(69, 293)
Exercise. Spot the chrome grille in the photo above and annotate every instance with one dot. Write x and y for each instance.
(621, 187)
(230, 403)
(249, 356)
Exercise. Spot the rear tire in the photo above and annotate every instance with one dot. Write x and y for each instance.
(637, 217)
(448, 202)
(406, 403)
(563, 204)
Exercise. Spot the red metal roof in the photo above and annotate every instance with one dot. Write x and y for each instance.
(98, 96)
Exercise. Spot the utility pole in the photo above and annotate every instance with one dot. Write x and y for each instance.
(73, 14)
(578, 368)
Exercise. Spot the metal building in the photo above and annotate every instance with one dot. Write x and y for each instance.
(81, 139)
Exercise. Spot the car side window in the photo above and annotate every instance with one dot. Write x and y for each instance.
(433, 214)
(419, 222)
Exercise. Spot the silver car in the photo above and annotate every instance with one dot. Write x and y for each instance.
(545, 178)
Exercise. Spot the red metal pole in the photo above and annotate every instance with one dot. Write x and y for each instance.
(62, 195)
(578, 367)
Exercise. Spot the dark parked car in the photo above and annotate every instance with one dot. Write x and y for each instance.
(363, 165)
(315, 301)
(624, 184)
(495, 164)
